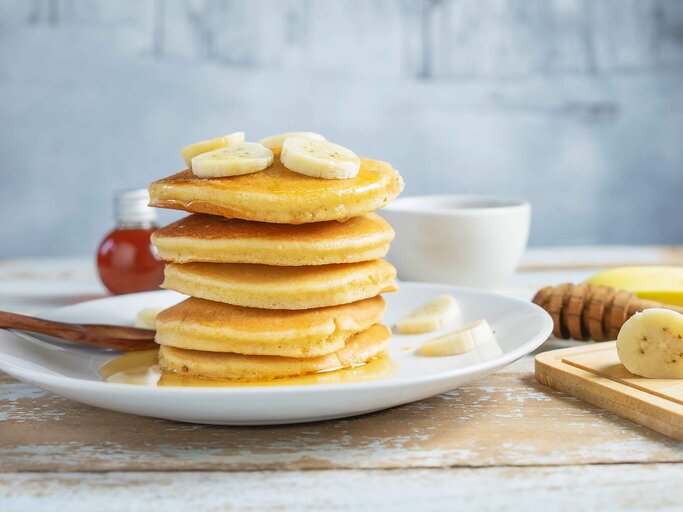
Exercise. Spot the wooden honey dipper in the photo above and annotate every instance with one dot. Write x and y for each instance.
(587, 312)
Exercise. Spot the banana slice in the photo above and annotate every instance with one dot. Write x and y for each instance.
(142, 376)
(234, 160)
(147, 317)
(459, 341)
(204, 146)
(276, 141)
(319, 158)
(431, 316)
(650, 344)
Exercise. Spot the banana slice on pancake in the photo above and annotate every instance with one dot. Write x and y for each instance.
(319, 158)
(234, 160)
(204, 146)
(276, 141)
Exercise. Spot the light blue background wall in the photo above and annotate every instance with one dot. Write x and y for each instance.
(575, 105)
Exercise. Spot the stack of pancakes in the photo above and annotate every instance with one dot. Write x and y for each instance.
(284, 272)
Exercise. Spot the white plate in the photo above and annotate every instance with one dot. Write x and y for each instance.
(72, 371)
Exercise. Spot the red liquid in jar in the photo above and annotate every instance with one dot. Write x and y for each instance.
(127, 261)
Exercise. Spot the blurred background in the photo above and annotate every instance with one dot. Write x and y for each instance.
(574, 105)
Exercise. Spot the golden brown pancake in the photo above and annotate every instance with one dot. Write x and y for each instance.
(211, 238)
(358, 349)
(270, 287)
(279, 195)
(199, 324)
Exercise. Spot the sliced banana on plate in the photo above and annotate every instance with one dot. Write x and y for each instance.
(319, 158)
(234, 160)
(650, 344)
(204, 146)
(147, 317)
(276, 141)
(459, 341)
(431, 316)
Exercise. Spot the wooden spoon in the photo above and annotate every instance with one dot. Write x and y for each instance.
(104, 336)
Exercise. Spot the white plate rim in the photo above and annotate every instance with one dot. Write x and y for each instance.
(505, 359)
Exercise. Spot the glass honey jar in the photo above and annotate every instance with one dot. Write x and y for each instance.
(126, 259)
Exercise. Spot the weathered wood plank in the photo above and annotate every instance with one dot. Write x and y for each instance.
(504, 419)
(430, 38)
(426, 39)
(594, 374)
(623, 487)
(73, 13)
(522, 38)
(341, 38)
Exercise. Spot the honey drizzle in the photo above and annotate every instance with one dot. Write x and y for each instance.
(132, 364)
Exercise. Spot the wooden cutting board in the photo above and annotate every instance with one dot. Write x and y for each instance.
(593, 373)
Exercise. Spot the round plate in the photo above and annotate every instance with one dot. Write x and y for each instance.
(72, 371)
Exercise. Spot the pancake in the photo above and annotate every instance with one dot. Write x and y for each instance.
(199, 324)
(270, 287)
(279, 195)
(211, 238)
(359, 349)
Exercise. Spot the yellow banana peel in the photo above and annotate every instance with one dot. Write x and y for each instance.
(660, 283)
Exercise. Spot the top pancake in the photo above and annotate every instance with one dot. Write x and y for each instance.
(279, 195)
(216, 239)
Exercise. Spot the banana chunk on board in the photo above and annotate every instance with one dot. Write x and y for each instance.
(650, 344)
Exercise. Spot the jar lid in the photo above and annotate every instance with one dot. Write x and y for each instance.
(131, 206)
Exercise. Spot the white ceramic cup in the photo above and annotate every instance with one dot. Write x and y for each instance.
(465, 240)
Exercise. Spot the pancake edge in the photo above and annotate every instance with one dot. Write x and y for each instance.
(357, 350)
(264, 208)
(343, 291)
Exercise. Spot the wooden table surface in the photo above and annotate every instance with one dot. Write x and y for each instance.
(503, 442)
